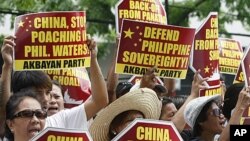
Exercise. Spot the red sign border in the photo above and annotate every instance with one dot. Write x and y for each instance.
(60, 130)
(124, 131)
(192, 51)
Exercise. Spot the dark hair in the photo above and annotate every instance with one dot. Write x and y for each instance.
(12, 105)
(27, 79)
(165, 100)
(197, 130)
(230, 98)
(123, 88)
(118, 120)
(55, 82)
(179, 100)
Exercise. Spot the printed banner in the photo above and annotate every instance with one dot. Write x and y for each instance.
(62, 134)
(231, 54)
(75, 83)
(143, 45)
(239, 77)
(140, 10)
(205, 53)
(52, 40)
(149, 130)
(211, 91)
(246, 66)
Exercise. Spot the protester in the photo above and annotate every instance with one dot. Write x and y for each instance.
(56, 103)
(140, 103)
(205, 117)
(170, 84)
(168, 109)
(76, 117)
(24, 116)
(179, 100)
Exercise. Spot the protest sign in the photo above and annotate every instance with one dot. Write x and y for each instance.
(231, 54)
(239, 77)
(146, 10)
(205, 53)
(144, 45)
(51, 40)
(75, 84)
(149, 130)
(246, 66)
(61, 134)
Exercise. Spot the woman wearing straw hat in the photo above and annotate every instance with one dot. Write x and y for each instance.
(140, 103)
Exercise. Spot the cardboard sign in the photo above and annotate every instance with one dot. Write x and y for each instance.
(140, 10)
(51, 40)
(231, 54)
(239, 77)
(143, 45)
(149, 130)
(205, 53)
(246, 66)
(137, 79)
(211, 91)
(75, 83)
(61, 134)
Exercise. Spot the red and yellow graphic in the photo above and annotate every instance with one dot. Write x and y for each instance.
(239, 77)
(61, 134)
(143, 45)
(231, 54)
(205, 53)
(246, 67)
(149, 130)
(75, 83)
(51, 40)
(140, 10)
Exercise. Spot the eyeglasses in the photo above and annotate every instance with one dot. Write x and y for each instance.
(30, 113)
(217, 112)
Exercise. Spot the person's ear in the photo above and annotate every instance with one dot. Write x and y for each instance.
(10, 125)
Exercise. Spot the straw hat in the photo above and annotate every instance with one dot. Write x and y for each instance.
(144, 100)
(194, 107)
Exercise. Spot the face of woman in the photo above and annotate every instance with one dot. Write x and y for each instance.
(56, 103)
(132, 115)
(29, 119)
(169, 111)
(215, 121)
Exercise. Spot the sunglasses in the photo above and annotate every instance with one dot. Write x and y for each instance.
(217, 112)
(30, 113)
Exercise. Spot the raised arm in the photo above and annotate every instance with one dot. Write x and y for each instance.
(98, 86)
(5, 81)
(243, 102)
(197, 85)
(112, 77)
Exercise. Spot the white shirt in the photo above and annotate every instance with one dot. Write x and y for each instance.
(74, 118)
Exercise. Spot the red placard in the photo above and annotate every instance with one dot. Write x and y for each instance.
(143, 45)
(140, 10)
(231, 54)
(75, 83)
(51, 40)
(61, 134)
(239, 77)
(205, 53)
(149, 130)
(246, 66)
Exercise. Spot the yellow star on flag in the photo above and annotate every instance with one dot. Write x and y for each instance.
(20, 24)
(128, 33)
(206, 69)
